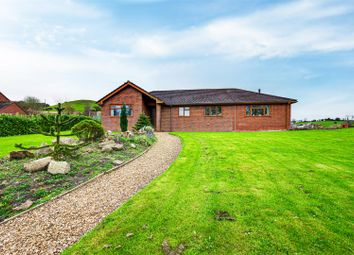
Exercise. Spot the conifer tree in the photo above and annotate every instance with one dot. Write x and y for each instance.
(123, 119)
(143, 121)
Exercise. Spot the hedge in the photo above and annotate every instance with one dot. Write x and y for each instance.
(22, 125)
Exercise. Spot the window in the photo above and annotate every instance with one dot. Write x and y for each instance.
(257, 110)
(212, 110)
(116, 110)
(184, 111)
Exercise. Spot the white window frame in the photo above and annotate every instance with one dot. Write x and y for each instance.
(129, 110)
(184, 111)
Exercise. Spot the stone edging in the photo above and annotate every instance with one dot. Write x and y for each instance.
(78, 186)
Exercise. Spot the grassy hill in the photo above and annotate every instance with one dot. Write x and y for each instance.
(79, 105)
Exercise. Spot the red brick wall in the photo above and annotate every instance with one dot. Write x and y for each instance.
(129, 96)
(233, 119)
(12, 109)
(197, 121)
(279, 119)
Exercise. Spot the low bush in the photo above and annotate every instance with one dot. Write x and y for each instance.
(142, 121)
(88, 130)
(143, 140)
(23, 125)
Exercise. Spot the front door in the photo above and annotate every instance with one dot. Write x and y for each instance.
(152, 114)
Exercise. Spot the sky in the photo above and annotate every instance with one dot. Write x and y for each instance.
(62, 50)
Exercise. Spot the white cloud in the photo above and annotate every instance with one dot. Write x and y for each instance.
(285, 30)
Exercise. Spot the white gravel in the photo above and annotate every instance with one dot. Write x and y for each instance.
(61, 222)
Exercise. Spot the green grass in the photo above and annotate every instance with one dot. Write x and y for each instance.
(7, 144)
(79, 105)
(324, 123)
(290, 192)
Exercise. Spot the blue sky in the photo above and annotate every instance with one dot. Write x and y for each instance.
(61, 50)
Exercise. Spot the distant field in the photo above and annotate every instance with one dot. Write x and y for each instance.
(79, 105)
(325, 123)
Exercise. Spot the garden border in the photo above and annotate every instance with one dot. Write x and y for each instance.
(79, 186)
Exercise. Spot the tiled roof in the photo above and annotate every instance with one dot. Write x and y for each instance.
(216, 96)
(4, 104)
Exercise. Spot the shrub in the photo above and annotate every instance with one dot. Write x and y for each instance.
(123, 119)
(143, 140)
(88, 130)
(23, 125)
(142, 121)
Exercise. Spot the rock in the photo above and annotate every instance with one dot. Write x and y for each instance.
(128, 134)
(88, 150)
(44, 151)
(107, 148)
(37, 165)
(133, 145)
(106, 143)
(129, 234)
(58, 167)
(117, 162)
(118, 146)
(20, 155)
(24, 206)
(66, 140)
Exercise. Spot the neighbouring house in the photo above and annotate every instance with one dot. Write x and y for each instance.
(198, 109)
(9, 107)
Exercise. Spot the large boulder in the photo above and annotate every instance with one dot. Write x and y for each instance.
(58, 167)
(37, 165)
(20, 155)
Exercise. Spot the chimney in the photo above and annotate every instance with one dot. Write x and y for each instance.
(259, 91)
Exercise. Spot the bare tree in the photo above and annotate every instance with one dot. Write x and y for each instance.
(32, 105)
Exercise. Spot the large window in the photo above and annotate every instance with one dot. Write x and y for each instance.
(257, 110)
(116, 110)
(212, 110)
(184, 111)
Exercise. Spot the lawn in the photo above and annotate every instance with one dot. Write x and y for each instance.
(7, 144)
(289, 192)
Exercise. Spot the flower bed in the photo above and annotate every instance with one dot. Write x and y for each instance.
(21, 190)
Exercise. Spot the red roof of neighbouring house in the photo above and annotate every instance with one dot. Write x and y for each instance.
(5, 102)
(3, 98)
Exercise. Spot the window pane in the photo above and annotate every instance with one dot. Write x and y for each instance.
(180, 111)
(186, 111)
(267, 110)
(257, 110)
(248, 110)
(129, 110)
(207, 110)
(218, 110)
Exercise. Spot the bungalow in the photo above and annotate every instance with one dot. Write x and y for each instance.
(198, 109)
(9, 107)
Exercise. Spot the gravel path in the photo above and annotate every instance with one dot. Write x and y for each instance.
(61, 222)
